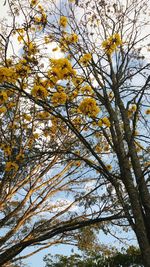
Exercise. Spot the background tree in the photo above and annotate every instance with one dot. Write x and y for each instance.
(95, 98)
(126, 258)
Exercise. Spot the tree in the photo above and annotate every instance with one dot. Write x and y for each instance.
(126, 258)
(93, 104)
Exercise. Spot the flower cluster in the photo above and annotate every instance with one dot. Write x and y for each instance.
(104, 121)
(84, 60)
(111, 43)
(27, 117)
(3, 97)
(39, 91)
(11, 166)
(21, 33)
(63, 21)
(31, 48)
(59, 98)
(22, 69)
(42, 19)
(61, 70)
(6, 149)
(77, 81)
(87, 89)
(109, 167)
(132, 110)
(147, 112)
(89, 107)
(67, 40)
(33, 2)
(43, 115)
(71, 38)
(7, 74)
(3, 110)
(20, 157)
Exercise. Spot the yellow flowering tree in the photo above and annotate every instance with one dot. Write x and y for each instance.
(77, 91)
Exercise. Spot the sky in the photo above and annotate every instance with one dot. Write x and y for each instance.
(37, 259)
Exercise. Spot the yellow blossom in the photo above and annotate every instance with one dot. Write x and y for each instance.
(11, 105)
(98, 149)
(111, 95)
(22, 70)
(53, 130)
(108, 46)
(43, 115)
(77, 81)
(77, 121)
(106, 148)
(39, 92)
(54, 75)
(87, 89)
(147, 112)
(20, 38)
(3, 110)
(60, 88)
(55, 49)
(74, 94)
(61, 69)
(72, 38)
(108, 167)
(11, 166)
(3, 97)
(84, 60)
(100, 123)
(89, 107)
(20, 156)
(111, 43)
(21, 30)
(46, 39)
(40, 27)
(59, 98)
(33, 2)
(35, 135)
(63, 21)
(106, 121)
(40, 7)
(9, 62)
(7, 150)
(7, 74)
(44, 18)
(37, 19)
(116, 39)
(133, 108)
(27, 117)
(32, 48)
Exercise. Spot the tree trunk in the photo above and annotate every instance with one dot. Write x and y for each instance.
(137, 210)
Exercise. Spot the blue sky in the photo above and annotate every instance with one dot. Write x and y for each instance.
(37, 259)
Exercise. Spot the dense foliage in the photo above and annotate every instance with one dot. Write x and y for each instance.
(127, 258)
